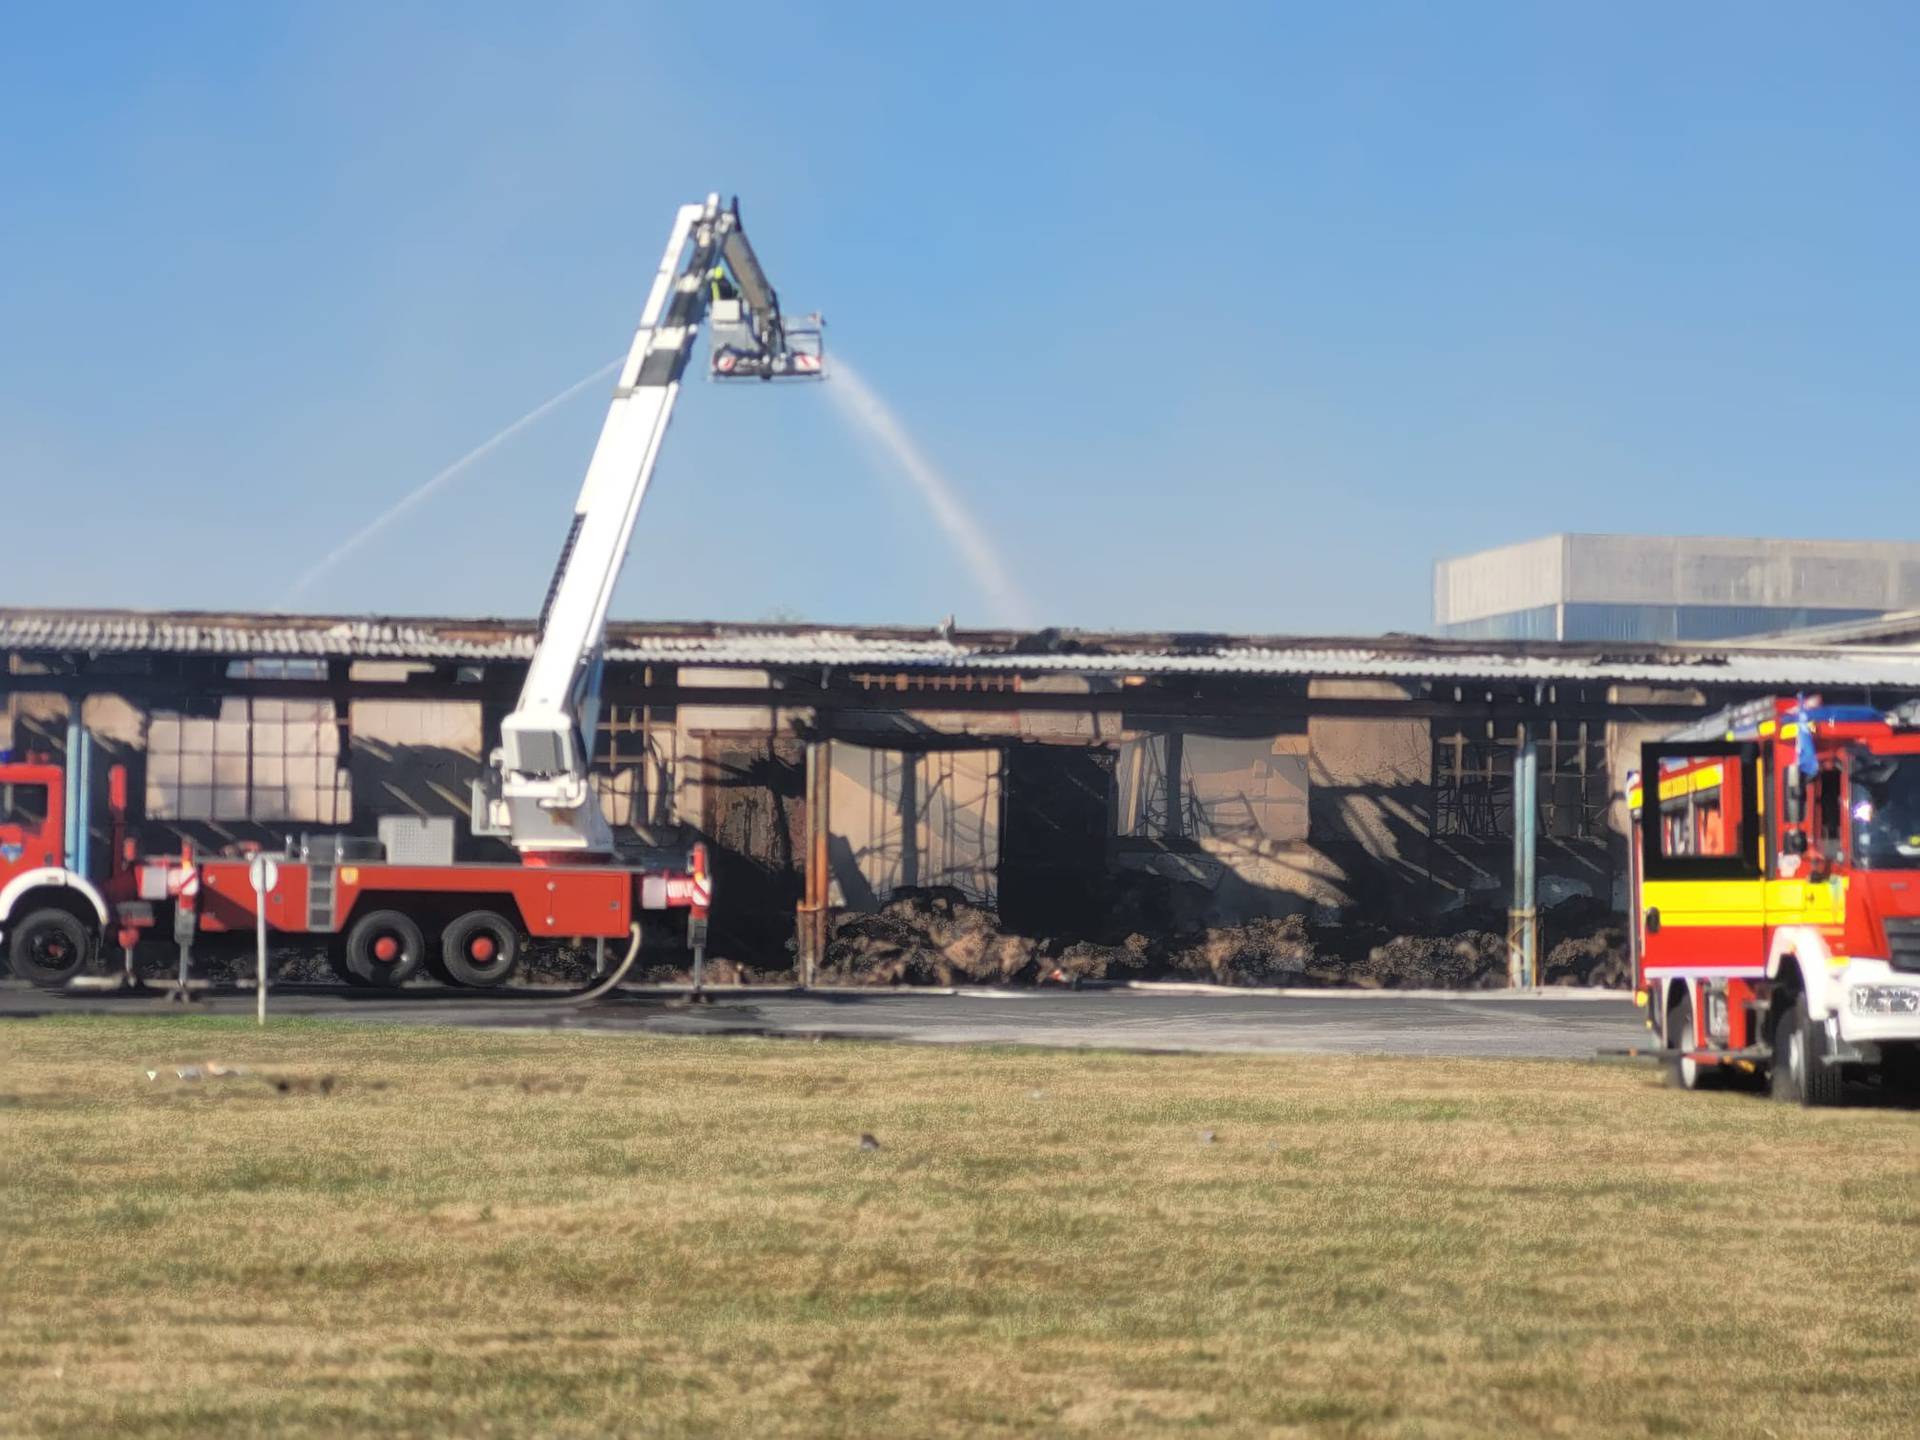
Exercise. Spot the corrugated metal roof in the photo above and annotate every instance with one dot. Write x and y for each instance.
(1766, 669)
(1748, 667)
(1756, 671)
(1896, 627)
(819, 647)
(99, 633)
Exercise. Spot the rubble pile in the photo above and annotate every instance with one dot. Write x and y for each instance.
(1465, 960)
(926, 937)
(1263, 951)
(1582, 942)
(1087, 960)
(939, 937)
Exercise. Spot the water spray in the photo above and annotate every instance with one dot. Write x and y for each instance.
(445, 477)
(869, 415)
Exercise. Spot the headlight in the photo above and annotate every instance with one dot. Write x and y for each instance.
(1885, 1000)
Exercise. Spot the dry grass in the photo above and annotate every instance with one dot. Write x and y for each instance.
(566, 1234)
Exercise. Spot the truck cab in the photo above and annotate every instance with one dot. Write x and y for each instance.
(51, 918)
(31, 818)
(1776, 880)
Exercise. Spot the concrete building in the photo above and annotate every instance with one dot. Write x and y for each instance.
(1665, 588)
(1078, 781)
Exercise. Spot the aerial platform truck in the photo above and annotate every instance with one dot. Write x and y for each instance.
(390, 907)
(1776, 896)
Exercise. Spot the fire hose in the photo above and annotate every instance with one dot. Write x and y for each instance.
(602, 986)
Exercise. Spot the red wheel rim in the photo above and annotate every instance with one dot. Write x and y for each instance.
(386, 948)
(482, 948)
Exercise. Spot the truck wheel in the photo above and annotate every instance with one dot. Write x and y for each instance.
(480, 949)
(1684, 1073)
(337, 963)
(50, 947)
(1801, 1074)
(384, 948)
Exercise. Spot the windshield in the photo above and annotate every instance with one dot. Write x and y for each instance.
(1886, 811)
(23, 805)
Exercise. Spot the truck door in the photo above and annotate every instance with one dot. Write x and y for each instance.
(1703, 887)
(1808, 885)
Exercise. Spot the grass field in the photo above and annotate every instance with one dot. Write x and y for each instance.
(562, 1234)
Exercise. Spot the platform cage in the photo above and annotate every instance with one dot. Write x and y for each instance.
(738, 353)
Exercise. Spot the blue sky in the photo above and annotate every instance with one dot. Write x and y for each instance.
(1218, 317)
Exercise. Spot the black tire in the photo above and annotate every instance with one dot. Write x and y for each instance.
(337, 963)
(384, 949)
(1801, 1073)
(50, 947)
(1685, 1074)
(480, 949)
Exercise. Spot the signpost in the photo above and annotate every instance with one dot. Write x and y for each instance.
(265, 875)
(184, 884)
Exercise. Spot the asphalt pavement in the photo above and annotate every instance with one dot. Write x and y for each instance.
(1495, 1024)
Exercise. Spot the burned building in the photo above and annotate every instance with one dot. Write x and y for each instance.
(1086, 787)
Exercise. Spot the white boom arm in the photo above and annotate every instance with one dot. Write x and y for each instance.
(538, 791)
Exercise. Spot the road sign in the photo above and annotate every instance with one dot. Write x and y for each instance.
(264, 874)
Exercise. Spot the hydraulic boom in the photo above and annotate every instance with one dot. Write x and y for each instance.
(538, 791)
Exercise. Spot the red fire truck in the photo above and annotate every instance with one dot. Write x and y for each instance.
(1776, 893)
(381, 922)
(383, 909)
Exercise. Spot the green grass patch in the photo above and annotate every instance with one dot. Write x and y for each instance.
(563, 1234)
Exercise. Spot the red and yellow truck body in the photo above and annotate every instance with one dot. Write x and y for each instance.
(1776, 894)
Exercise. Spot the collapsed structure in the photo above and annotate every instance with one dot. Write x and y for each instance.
(1240, 808)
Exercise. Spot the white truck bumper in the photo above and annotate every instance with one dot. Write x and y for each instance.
(1876, 1004)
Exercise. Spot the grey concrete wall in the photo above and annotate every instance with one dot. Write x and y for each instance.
(1495, 582)
(1678, 570)
(1711, 571)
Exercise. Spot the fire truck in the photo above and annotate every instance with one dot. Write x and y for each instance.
(389, 907)
(1776, 896)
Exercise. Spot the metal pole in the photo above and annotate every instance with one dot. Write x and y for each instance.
(819, 885)
(816, 861)
(263, 874)
(260, 938)
(823, 842)
(1521, 967)
(82, 826)
(76, 799)
(185, 886)
(803, 912)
